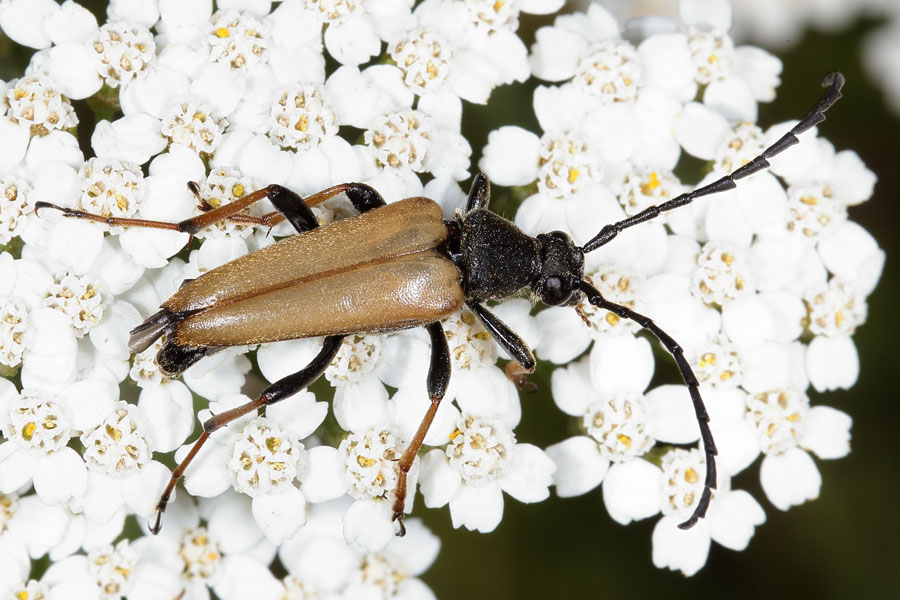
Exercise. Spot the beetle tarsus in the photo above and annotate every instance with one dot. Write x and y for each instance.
(519, 376)
(157, 525)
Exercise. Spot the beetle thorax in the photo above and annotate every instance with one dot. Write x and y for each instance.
(496, 258)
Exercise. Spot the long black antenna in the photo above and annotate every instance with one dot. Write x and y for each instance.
(833, 81)
(709, 446)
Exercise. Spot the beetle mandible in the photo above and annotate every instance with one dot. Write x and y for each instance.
(394, 266)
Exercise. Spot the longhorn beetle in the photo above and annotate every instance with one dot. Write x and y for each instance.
(393, 266)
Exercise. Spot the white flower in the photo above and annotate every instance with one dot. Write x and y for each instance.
(731, 520)
(786, 426)
(214, 546)
(37, 429)
(121, 471)
(14, 207)
(194, 125)
(263, 458)
(354, 30)
(125, 50)
(237, 39)
(34, 103)
(481, 461)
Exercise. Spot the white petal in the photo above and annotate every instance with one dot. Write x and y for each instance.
(132, 138)
(60, 476)
(827, 432)
(790, 479)
(23, 21)
(559, 108)
(563, 335)
(359, 406)
(486, 392)
(477, 508)
(748, 321)
(280, 515)
(410, 405)
(15, 143)
(832, 363)
(75, 244)
(169, 411)
(530, 474)
(352, 40)
(367, 524)
(242, 576)
(54, 523)
(555, 53)
(579, 466)
(851, 253)
(324, 476)
(16, 467)
(142, 491)
(787, 311)
(732, 98)
(621, 363)
(699, 130)
(678, 549)
(632, 491)
(207, 475)
(227, 521)
(853, 183)
(733, 518)
(670, 414)
(714, 14)
(771, 366)
(73, 68)
(511, 156)
(438, 482)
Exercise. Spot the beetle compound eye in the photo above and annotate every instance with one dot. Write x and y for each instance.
(555, 291)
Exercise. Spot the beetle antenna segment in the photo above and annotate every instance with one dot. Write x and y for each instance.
(709, 446)
(833, 81)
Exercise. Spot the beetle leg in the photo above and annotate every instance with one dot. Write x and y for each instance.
(437, 382)
(508, 339)
(281, 389)
(363, 197)
(479, 193)
(709, 446)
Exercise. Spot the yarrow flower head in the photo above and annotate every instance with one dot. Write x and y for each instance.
(125, 50)
(190, 107)
(32, 102)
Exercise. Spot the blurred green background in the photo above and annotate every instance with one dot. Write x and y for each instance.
(845, 544)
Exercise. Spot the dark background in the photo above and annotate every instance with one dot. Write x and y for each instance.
(844, 544)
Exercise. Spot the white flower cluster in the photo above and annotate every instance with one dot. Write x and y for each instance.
(763, 287)
(747, 281)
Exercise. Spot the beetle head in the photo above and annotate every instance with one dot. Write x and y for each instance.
(561, 272)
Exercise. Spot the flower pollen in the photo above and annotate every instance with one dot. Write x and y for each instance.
(619, 426)
(424, 57)
(778, 417)
(480, 450)
(117, 446)
(264, 458)
(610, 72)
(371, 462)
(566, 165)
(38, 422)
(400, 140)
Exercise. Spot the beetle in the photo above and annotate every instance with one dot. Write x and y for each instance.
(391, 267)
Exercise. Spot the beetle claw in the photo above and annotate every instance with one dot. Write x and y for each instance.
(398, 517)
(519, 376)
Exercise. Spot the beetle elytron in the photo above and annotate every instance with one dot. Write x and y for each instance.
(393, 267)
